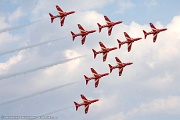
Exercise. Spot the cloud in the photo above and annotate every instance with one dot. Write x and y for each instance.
(13, 60)
(16, 15)
(119, 116)
(159, 82)
(169, 105)
(124, 5)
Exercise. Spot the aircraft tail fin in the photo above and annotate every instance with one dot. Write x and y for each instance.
(100, 27)
(73, 36)
(87, 79)
(95, 53)
(110, 67)
(77, 105)
(52, 17)
(145, 34)
(119, 42)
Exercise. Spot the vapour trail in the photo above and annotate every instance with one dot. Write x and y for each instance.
(20, 26)
(56, 111)
(39, 68)
(45, 115)
(38, 93)
(30, 46)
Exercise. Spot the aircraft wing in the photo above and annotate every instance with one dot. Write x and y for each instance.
(118, 60)
(155, 37)
(83, 39)
(104, 56)
(83, 98)
(62, 20)
(93, 71)
(107, 19)
(120, 71)
(127, 36)
(86, 108)
(81, 28)
(102, 45)
(129, 46)
(96, 82)
(152, 26)
(59, 9)
(110, 30)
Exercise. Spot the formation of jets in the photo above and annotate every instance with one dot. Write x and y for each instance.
(104, 50)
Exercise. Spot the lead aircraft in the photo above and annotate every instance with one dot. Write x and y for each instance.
(154, 31)
(86, 103)
(109, 25)
(61, 15)
(103, 50)
(83, 33)
(96, 77)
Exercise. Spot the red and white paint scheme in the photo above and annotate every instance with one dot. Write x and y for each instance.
(86, 103)
(104, 51)
(61, 15)
(109, 25)
(96, 77)
(154, 31)
(119, 65)
(129, 41)
(83, 33)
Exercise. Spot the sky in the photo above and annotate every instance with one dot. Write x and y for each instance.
(148, 89)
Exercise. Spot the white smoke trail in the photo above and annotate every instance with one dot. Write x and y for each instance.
(38, 93)
(30, 46)
(55, 111)
(45, 116)
(39, 68)
(20, 26)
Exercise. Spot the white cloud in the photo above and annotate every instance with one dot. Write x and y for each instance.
(124, 5)
(74, 64)
(10, 62)
(16, 15)
(119, 116)
(159, 82)
(3, 24)
(169, 105)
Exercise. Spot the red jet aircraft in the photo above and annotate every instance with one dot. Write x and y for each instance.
(154, 31)
(96, 77)
(86, 103)
(83, 33)
(129, 41)
(62, 15)
(119, 65)
(109, 25)
(104, 51)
